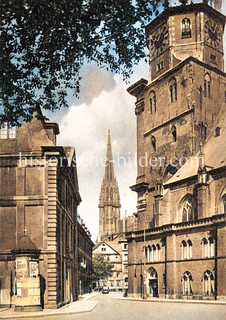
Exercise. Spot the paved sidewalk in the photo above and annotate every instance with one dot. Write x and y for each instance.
(216, 302)
(80, 306)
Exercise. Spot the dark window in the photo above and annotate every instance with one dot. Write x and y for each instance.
(159, 66)
(153, 143)
(186, 28)
(152, 101)
(173, 89)
(174, 133)
(207, 85)
(213, 59)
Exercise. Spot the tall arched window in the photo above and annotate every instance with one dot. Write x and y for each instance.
(187, 283)
(186, 249)
(207, 86)
(187, 208)
(208, 283)
(152, 101)
(173, 89)
(158, 252)
(204, 247)
(186, 28)
(189, 249)
(187, 211)
(208, 247)
(174, 133)
(153, 253)
(153, 143)
(224, 202)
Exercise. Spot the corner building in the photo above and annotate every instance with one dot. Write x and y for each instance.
(177, 249)
(39, 196)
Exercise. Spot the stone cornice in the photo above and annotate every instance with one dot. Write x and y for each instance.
(177, 227)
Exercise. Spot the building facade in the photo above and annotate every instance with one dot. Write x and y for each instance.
(85, 247)
(39, 196)
(177, 249)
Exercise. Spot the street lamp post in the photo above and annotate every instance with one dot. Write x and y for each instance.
(144, 277)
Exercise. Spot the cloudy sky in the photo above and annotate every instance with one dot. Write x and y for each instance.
(104, 104)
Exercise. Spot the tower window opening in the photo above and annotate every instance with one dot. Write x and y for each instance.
(213, 59)
(174, 133)
(186, 28)
(159, 66)
(153, 142)
(217, 131)
(152, 102)
(173, 89)
(207, 86)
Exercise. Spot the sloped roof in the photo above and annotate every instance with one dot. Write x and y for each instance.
(214, 152)
(107, 244)
(26, 245)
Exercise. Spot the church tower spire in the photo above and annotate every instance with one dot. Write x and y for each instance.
(109, 169)
(109, 201)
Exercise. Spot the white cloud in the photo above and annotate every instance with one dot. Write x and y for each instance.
(85, 126)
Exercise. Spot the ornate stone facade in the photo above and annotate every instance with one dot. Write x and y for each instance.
(178, 247)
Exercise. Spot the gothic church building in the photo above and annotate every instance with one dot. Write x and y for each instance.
(177, 249)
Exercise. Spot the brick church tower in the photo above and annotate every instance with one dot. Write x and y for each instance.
(178, 242)
(177, 108)
(109, 201)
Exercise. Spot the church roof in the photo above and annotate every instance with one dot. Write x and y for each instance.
(213, 149)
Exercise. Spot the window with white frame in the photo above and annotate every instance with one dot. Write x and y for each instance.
(7, 132)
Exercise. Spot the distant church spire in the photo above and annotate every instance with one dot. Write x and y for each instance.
(109, 169)
(109, 201)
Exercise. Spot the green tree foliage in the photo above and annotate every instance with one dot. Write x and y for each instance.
(44, 43)
(102, 269)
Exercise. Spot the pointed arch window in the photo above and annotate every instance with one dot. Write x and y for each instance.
(208, 247)
(174, 133)
(152, 101)
(173, 89)
(186, 28)
(158, 252)
(224, 202)
(186, 249)
(187, 208)
(208, 283)
(207, 86)
(187, 211)
(187, 283)
(153, 143)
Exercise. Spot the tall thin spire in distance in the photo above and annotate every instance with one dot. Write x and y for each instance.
(109, 169)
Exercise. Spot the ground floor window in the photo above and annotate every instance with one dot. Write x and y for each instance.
(208, 283)
(187, 283)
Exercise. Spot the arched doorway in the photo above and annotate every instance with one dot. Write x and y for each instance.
(152, 284)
